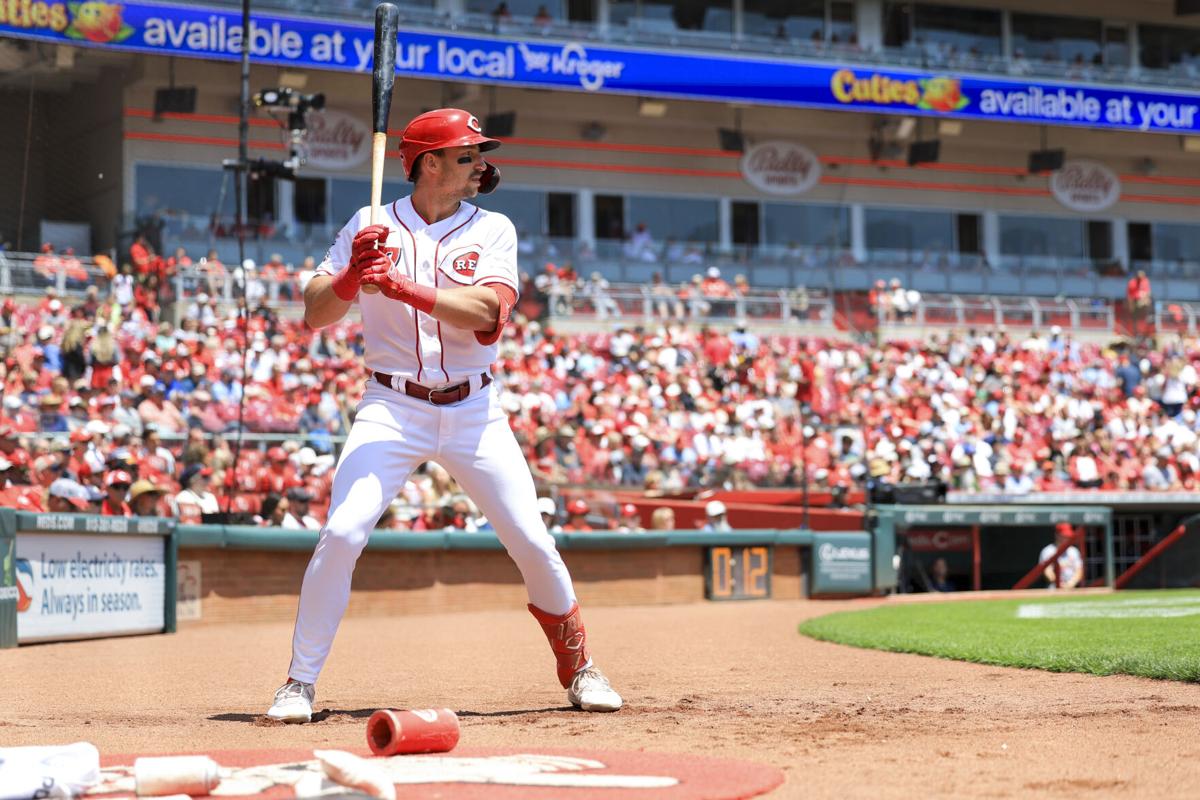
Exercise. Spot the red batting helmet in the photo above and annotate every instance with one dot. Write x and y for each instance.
(442, 127)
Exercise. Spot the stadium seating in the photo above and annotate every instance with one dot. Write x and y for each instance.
(1017, 394)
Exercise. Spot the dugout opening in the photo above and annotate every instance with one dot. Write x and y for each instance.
(985, 547)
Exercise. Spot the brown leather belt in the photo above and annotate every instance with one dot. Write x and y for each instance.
(438, 396)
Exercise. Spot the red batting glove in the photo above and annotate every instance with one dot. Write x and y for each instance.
(368, 239)
(376, 271)
(364, 246)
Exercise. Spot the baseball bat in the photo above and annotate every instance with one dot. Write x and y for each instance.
(387, 19)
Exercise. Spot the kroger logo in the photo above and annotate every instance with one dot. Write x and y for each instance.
(571, 60)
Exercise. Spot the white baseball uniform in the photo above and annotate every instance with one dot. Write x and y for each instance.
(393, 432)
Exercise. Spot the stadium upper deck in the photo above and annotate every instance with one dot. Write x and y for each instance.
(722, 128)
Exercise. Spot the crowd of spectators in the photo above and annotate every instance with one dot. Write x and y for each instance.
(109, 407)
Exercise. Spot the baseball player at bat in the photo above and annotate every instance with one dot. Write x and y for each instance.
(447, 275)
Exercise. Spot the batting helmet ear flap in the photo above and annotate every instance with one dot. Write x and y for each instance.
(490, 179)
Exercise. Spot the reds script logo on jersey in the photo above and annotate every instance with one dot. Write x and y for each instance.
(465, 264)
(460, 263)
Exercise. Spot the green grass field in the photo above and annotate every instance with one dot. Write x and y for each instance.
(1154, 634)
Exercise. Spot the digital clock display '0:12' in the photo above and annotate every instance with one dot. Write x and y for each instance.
(738, 572)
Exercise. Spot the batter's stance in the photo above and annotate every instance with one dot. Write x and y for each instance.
(447, 278)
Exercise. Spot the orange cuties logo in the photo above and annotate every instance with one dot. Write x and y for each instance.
(98, 22)
(932, 94)
(942, 94)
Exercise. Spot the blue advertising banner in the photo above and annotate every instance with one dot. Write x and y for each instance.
(326, 44)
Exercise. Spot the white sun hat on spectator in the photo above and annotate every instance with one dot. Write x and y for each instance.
(97, 427)
(146, 381)
(713, 272)
(306, 456)
(714, 508)
(545, 505)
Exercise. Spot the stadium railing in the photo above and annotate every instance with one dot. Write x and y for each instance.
(774, 266)
(30, 273)
(961, 311)
(639, 302)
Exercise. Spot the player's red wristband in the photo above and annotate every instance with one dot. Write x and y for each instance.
(422, 298)
(345, 284)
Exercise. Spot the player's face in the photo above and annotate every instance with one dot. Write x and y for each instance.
(462, 169)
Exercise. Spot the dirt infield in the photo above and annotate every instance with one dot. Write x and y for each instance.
(732, 680)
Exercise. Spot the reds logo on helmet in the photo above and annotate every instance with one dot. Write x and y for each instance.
(473, 124)
(466, 263)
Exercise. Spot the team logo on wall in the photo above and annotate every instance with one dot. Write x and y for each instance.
(781, 167)
(1085, 185)
(337, 140)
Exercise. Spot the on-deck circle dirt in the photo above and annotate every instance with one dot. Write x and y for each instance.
(724, 680)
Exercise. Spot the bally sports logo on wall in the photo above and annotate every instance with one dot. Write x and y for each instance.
(1085, 185)
(779, 167)
(337, 140)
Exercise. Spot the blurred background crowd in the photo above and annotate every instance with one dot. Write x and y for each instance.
(110, 406)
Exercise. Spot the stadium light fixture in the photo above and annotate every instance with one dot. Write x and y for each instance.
(949, 127)
(652, 108)
(1046, 160)
(924, 151)
(293, 80)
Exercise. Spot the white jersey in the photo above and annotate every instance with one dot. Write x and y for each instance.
(1070, 561)
(471, 248)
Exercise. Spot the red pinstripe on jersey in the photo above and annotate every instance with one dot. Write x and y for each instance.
(436, 251)
(416, 326)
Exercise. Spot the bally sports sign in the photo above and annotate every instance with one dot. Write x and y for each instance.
(1085, 186)
(780, 167)
(337, 140)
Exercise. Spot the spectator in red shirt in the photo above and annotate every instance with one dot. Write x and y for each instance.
(116, 485)
(1137, 295)
(714, 285)
(46, 263)
(278, 476)
(141, 255)
(577, 511)
(717, 347)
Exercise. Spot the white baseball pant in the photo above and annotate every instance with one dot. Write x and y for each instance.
(393, 434)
